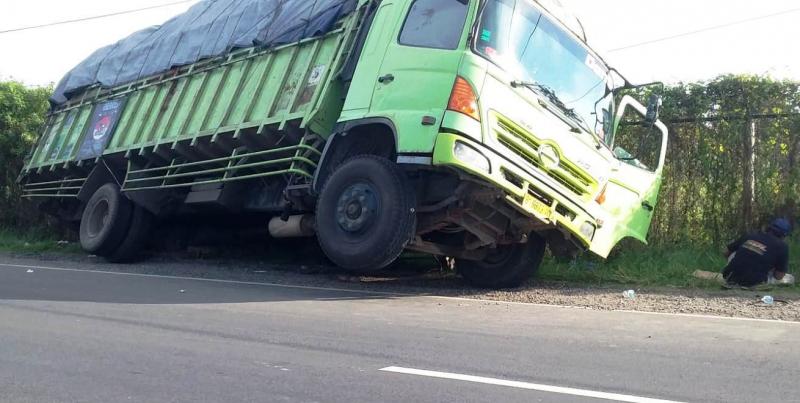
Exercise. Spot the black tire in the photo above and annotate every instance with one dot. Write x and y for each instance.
(508, 266)
(365, 214)
(129, 251)
(105, 220)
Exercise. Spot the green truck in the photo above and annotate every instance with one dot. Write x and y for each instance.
(480, 130)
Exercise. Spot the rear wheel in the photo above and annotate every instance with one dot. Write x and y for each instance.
(105, 221)
(508, 266)
(130, 249)
(365, 214)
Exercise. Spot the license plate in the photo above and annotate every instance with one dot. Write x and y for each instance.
(541, 209)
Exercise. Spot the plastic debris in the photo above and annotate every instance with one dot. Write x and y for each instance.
(768, 300)
(183, 291)
(787, 279)
(30, 271)
(709, 275)
(629, 294)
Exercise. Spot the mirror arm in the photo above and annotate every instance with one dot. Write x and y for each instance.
(629, 86)
(625, 84)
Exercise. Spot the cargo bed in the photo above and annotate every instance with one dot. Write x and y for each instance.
(252, 113)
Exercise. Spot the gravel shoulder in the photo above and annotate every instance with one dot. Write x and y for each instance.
(406, 279)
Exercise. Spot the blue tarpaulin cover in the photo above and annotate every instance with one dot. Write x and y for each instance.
(208, 29)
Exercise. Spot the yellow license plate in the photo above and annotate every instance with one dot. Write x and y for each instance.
(537, 206)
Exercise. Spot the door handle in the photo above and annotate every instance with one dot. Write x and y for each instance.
(647, 206)
(386, 79)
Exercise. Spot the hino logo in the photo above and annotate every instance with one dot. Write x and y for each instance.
(549, 157)
(526, 124)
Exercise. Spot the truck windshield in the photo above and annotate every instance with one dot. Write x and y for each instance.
(532, 47)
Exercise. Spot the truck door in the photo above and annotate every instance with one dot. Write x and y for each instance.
(419, 68)
(640, 150)
(382, 20)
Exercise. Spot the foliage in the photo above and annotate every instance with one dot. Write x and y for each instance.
(704, 198)
(22, 114)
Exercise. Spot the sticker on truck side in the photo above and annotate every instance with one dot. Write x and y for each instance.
(314, 79)
(595, 66)
(316, 75)
(101, 128)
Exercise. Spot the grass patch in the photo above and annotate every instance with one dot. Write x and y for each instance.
(33, 241)
(651, 266)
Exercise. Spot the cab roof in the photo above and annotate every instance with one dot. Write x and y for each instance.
(565, 16)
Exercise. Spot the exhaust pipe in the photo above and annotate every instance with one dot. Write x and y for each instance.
(297, 226)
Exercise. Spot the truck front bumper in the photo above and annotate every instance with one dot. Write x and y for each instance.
(524, 191)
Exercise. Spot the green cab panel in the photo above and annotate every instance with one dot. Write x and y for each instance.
(632, 193)
(423, 43)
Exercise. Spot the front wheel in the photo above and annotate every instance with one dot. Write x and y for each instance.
(508, 266)
(365, 214)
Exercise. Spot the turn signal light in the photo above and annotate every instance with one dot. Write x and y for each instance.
(463, 99)
(601, 198)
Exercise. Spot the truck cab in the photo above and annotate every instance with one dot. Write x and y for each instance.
(510, 128)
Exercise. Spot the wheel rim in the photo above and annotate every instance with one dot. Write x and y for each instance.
(357, 208)
(98, 218)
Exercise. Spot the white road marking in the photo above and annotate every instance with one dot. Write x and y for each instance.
(394, 294)
(700, 316)
(526, 385)
(212, 280)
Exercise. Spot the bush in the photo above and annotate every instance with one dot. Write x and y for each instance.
(719, 181)
(22, 115)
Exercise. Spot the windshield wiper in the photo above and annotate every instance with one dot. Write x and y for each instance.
(553, 99)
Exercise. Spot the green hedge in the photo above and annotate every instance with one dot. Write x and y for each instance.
(22, 114)
(704, 198)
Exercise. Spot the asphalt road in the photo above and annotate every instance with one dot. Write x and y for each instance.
(85, 336)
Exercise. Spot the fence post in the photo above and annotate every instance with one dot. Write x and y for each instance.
(749, 180)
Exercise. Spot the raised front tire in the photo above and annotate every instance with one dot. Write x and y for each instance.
(130, 250)
(365, 214)
(105, 221)
(507, 266)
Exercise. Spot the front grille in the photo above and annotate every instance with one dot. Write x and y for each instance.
(521, 152)
(527, 147)
(565, 212)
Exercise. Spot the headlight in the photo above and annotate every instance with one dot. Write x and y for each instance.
(471, 157)
(587, 230)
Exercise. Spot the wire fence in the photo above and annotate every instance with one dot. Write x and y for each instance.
(732, 160)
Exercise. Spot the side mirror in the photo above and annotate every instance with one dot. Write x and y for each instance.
(623, 154)
(608, 126)
(653, 110)
(639, 134)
